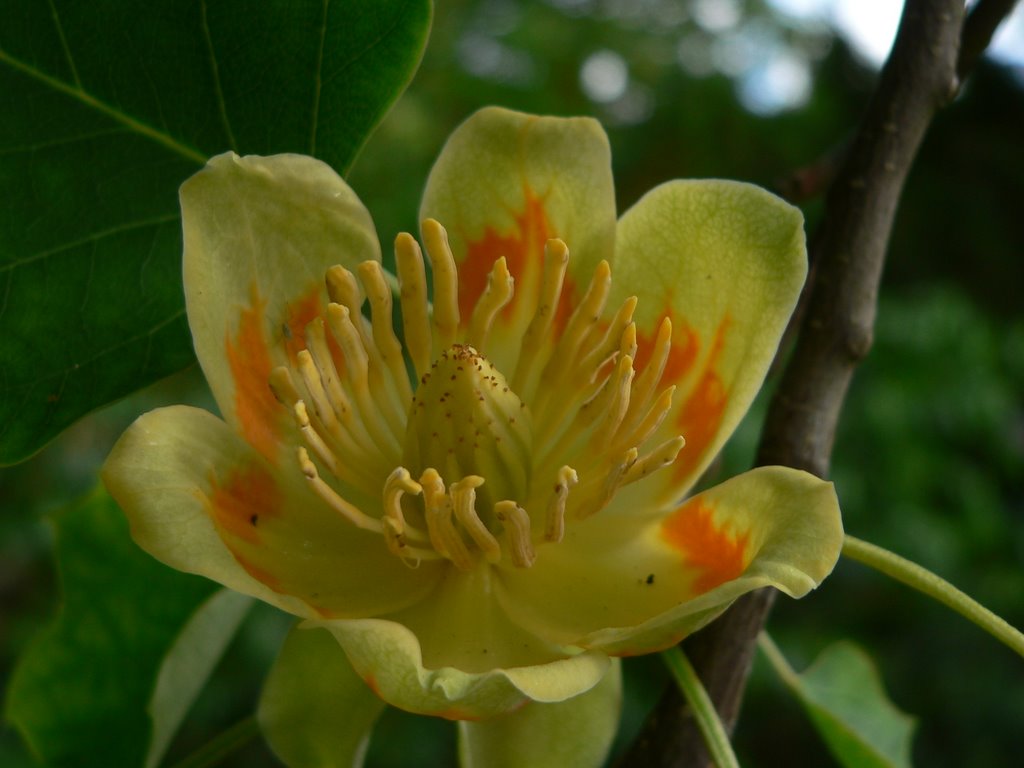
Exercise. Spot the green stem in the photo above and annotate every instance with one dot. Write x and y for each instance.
(704, 712)
(923, 580)
(778, 661)
(223, 744)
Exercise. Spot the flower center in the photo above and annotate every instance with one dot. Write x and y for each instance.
(472, 467)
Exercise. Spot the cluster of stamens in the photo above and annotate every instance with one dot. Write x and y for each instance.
(520, 456)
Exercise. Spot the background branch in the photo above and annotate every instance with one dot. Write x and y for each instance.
(922, 74)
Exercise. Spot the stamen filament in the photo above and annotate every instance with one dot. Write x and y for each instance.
(338, 504)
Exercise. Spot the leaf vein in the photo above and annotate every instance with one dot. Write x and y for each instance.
(91, 101)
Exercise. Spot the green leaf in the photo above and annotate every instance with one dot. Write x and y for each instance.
(189, 664)
(843, 694)
(108, 107)
(315, 709)
(79, 693)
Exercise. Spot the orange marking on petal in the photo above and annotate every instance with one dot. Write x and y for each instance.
(257, 410)
(248, 497)
(701, 415)
(238, 506)
(715, 552)
(458, 714)
(522, 247)
(300, 314)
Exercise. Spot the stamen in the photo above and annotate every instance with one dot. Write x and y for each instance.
(446, 284)
(614, 409)
(397, 532)
(647, 382)
(338, 504)
(620, 335)
(554, 529)
(517, 532)
(342, 288)
(444, 537)
(316, 344)
(313, 439)
(357, 367)
(412, 281)
(379, 294)
(611, 483)
(631, 434)
(496, 295)
(567, 350)
(660, 457)
(463, 495)
(311, 378)
(556, 259)
(283, 387)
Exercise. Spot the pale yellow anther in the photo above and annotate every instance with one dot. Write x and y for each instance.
(556, 259)
(397, 532)
(637, 429)
(444, 536)
(347, 510)
(616, 403)
(660, 457)
(620, 337)
(313, 438)
(463, 494)
(316, 344)
(567, 350)
(352, 350)
(517, 533)
(647, 381)
(412, 281)
(342, 288)
(446, 283)
(322, 404)
(554, 528)
(498, 293)
(611, 482)
(283, 386)
(378, 292)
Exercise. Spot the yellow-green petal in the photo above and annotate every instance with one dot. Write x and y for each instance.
(724, 262)
(314, 709)
(576, 733)
(202, 500)
(506, 182)
(633, 584)
(260, 232)
(387, 656)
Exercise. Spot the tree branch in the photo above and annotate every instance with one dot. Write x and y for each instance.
(981, 24)
(836, 333)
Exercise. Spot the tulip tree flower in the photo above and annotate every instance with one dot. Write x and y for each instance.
(477, 520)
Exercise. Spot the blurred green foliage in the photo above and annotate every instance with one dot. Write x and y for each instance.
(930, 456)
